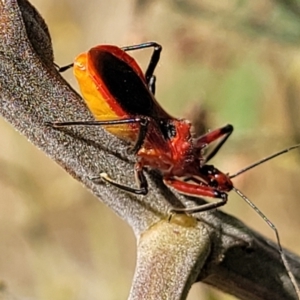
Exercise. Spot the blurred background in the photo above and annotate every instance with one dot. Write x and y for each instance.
(234, 62)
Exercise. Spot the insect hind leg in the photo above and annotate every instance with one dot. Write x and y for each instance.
(149, 74)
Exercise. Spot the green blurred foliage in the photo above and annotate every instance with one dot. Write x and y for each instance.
(223, 62)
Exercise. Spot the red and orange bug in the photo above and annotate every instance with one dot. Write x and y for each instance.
(121, 98)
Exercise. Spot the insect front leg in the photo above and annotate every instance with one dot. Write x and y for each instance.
(208, 138)
(139, 177)
(196, 190)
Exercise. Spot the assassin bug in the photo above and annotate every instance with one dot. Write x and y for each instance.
(121, 98)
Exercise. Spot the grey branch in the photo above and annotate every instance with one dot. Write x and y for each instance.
(173, 253)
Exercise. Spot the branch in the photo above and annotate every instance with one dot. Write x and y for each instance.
(173, 252)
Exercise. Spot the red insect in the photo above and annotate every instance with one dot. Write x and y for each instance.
(121, 98)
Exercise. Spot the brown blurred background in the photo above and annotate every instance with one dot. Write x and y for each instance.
(223, 62)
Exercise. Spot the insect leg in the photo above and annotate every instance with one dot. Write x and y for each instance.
(196, 191)
(140, 179)
(152, 84)
(149, 74)
(212, 136)
(143, 121)
(63, 68)
(93, 123)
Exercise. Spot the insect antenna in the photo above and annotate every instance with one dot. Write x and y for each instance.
(273, 227)
(264, 160)
(270, 224)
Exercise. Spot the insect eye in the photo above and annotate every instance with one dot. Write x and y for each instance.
(210, 170)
